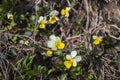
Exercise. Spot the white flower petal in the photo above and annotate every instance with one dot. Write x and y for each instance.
(52, 37)
(78, 58)
(54, 13)
(101, 37)
(94, 37)
(74, 63)
(50, 44)
(68, 8)
(67, 15)
(68, 57)
(40, 19)
(57, 18)
(58, 38)
(44, 18)
(43, 53)
(73, 54)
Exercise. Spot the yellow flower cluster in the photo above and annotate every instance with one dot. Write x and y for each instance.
(53, 17)
(54, 42)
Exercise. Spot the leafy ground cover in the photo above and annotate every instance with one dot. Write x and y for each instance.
(59, 39)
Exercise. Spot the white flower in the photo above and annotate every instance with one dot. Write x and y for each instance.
(53, 17)
(72, 59)
(41, 18)
(42, 21)
(55, 43)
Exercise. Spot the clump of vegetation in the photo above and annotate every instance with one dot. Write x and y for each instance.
(59, 40)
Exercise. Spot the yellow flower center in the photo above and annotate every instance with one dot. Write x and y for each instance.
(97, 41)
(52, 20)
(68, 63)
(42, 24)
(64, 12)
(49, 53)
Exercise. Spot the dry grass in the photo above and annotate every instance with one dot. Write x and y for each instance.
(87, 18)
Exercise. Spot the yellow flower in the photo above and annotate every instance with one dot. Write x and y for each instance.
(72, 59)
(53, 16)
(55, 43)
(42, 22)
(49, 53)
(65, 12)
(10, 16)
(97, 40)
(53, 19)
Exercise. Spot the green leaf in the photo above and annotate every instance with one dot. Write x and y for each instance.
(63, 76)
(50, 71)
(30, 60)
(90, 76)
(12, 23)
(14, 38)
(32, 18)
(99, 54)
(59, 53)
(1, 9)
(22, 17)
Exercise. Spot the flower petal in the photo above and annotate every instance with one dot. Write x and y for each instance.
(67, 15)
(50, 44)
(57, 18)
(67, 64)
(40, 19)
(54, 13)
(68, 57)
(78, 58)
(58, 38)
(63, 12)
(73, 54)
(49, 53)
(74, 63)
(68, 8)
(52, 37)
(61, 45)
(94, 37)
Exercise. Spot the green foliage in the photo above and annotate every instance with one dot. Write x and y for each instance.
(14, 38)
